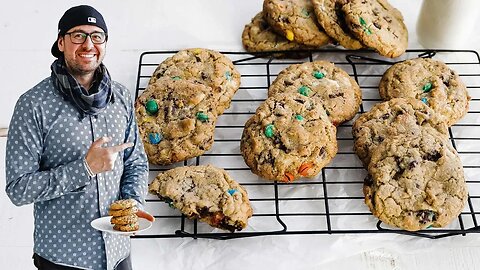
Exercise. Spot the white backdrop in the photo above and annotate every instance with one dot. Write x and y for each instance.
(27, 31)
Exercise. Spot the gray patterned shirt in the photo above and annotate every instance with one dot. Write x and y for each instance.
(47, 142)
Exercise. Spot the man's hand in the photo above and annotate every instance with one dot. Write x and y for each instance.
(145, 215)
(102, 159)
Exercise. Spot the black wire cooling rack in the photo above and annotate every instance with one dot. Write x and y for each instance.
(331, 203)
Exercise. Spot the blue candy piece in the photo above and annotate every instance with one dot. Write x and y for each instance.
(232, 191)
(155, 138)
(424, 100)
(228, 75)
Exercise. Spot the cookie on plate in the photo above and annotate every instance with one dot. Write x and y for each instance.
(124, 220)
(391, 118)
(207, 193)
(176, 120)
(123, 212)
(122, 204)
(206, 67)
(340, 95)
(330, 16)
(378, 25)
(430, 81)
(290, 136)
(126, 227)
(258, 36)
(416, 181)
(295, 20)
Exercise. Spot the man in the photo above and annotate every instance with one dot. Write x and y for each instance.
(73, 148)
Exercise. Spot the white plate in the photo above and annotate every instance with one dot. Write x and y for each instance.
(103, 224)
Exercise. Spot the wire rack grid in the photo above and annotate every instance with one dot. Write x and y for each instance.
(331, 203)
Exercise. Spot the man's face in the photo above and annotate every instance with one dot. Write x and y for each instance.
(82, 59)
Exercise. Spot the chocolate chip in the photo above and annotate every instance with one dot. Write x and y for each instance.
(386, 116)
(379, 139)
(336, 95)
(412, 164)
(285, 19)
(426, 216)
(368, 181)
(301, 101)
(434, 156)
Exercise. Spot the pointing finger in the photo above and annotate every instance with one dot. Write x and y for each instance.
(120, 147)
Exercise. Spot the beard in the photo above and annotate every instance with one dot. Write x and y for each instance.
(77, 67)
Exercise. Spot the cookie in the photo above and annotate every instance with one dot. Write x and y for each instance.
(330, 16)
(206, 193)
(295, 20)
(126, 228)
(392, 118)
(122, 204)
(430, 81)
(378, 25)
(416, 181)
(258, 36)
(203, 66)
(124, 220)
(176, 120)
(290, 136)
(123, 212)
(339, 94)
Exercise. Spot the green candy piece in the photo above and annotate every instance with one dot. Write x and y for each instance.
(202, 117)
(427, 87)
(364, 26)
(176, 78)
(304, 90)
(362, 22)
(269, 131)
(151, 106)
(318, 75)
(299, 117)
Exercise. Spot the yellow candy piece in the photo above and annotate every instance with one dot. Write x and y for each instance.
(197, 51)
(289, 35)
(149, 119)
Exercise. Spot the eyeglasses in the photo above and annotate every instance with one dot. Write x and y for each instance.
(80, 37)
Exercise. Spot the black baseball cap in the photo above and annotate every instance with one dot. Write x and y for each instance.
(79, 15)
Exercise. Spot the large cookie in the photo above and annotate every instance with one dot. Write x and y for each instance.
(392, 118)
(176, 119)
(207, 193)
(295, 20)
(339, 94)
(416, 181)
(290, 136)
(431, 81)
(378, 25)
(206, 67)
(330, 16)
(258, 36)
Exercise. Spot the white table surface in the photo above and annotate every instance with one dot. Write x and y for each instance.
(218, 25)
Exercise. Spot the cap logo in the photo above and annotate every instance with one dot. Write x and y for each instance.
(92, 20)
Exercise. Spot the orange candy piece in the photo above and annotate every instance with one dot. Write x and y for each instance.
(288, 177)
(304, 168)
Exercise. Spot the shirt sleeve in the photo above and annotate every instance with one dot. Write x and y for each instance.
(26, 181)
(135, 172)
